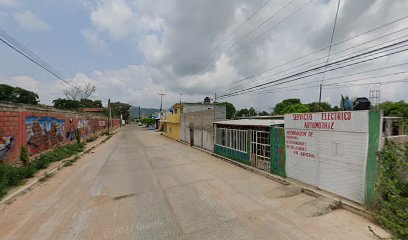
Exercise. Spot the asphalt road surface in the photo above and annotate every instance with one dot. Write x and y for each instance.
(141, 185)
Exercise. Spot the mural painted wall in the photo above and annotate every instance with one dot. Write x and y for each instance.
(43, 132)
(278, 151)
(84, 128)
(70, 133)
(6, 145)
(40, 129)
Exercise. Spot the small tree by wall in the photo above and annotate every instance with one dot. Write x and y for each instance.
(391, 206)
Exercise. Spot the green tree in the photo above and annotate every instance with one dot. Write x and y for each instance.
(17, 95)
(67, 104)
(296, 108)
(343, 100)
(263, 113)
(319, 107)
(252, 112)
(87, 103)
(148, 121)
(242, 113)
(279, 108)
(230, 109)
(396, 109)
(119, 108)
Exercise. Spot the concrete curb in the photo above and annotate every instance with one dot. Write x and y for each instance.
(36, 180)
(307, 189)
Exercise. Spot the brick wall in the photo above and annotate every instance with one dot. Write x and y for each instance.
(42, 128)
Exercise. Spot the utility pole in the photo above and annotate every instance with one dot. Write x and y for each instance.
(215, 97)
(320, 94)
(328, 54)
(139, 112)
(181, 94)
(109, 116)
(161, 101)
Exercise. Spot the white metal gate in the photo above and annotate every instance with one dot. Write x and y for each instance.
(260, 150)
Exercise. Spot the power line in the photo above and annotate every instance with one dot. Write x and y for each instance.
(341, 86)
(322, 49)
(343, 76)
(270, 29)
(34, 61)
(369, 83)
(318, 64)
(330, 47)
(363, 61)
(235, 30)
(286, 18)
(14, 42)
(320, 67)
(260, 25)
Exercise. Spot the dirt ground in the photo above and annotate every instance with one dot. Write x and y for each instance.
(140, 185)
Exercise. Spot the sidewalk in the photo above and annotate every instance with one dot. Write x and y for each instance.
(13, 193)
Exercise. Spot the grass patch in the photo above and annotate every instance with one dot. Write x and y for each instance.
(12, 176)
(91, 139)
(70, 162)
(392, 188)
(45, 177)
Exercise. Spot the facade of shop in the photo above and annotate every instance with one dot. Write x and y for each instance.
(249, 141)
(333, 151)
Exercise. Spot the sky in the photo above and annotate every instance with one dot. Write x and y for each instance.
(131, 50)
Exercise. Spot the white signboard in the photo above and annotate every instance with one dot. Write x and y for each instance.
(354, 121)
(328, 150)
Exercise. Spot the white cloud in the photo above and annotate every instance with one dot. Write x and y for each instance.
(173, 36)
(96, 42)
(26, 82)
(113, 16)
(8, 3)
(30, 22)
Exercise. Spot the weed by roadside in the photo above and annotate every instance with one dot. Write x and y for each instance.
(45, 177)
(392, 187)
(91, 139)
(11, 176)
(70, 162)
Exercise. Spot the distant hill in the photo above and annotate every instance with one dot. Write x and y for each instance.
(144, 112)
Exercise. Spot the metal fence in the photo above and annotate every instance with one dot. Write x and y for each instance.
(232, 138)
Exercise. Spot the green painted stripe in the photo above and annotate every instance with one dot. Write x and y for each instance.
(278, 151)
(232, 154)
(374, 137)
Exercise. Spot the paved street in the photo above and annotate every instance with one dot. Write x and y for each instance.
(140, 185)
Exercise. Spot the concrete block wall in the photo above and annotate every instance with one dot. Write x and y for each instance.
(202, 122)
(42, 128)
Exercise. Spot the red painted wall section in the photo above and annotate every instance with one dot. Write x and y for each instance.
(10, 135)
(40, 129)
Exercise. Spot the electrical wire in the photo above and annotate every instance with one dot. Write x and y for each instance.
(306, 63)
(320, 50)
(234, 31)
(34, 61)
(320, 67)
(273, 27)
(260, 25)
(330, 48)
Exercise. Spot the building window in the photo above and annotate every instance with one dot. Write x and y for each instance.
(232, 138)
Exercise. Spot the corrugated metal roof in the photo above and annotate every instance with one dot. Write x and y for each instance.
(252, 122)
